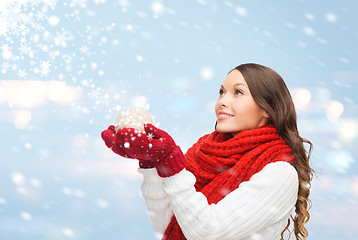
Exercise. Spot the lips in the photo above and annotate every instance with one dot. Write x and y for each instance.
(223, 116)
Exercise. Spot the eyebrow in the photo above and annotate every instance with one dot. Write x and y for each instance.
(243, 84)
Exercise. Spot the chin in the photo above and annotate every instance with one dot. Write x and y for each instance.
(221, 129)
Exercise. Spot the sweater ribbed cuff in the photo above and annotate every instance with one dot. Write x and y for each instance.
(172, 164)
(146, 164)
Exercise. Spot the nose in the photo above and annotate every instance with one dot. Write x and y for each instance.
(223, 101)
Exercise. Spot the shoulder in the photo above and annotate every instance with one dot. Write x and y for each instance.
(280, 166)
(277, 173)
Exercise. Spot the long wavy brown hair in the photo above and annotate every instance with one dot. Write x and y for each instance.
(271, 93)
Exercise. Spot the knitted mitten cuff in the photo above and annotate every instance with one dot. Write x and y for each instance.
(172, 164)
(146, 164)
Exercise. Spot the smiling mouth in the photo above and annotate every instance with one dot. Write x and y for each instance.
(223, 116)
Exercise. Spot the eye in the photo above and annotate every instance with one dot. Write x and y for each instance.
(221, 92)
(238, 92)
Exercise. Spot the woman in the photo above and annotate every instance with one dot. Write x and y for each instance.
(240, 182)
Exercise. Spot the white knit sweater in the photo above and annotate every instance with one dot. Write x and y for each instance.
(258, 209)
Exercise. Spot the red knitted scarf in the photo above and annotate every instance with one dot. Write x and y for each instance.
(220, 163)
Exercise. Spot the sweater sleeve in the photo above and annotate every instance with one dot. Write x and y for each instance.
(157, 201)
(258, 204)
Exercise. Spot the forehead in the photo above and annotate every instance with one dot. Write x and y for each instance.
(234, 77)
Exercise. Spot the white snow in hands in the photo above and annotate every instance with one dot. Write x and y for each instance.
(134, 117)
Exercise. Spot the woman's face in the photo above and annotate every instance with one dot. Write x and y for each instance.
(235, 109)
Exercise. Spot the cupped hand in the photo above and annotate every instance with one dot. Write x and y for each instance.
(154, 145)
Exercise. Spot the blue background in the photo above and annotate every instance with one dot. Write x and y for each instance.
(69, 67)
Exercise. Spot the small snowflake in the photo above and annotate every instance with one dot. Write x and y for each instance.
(45, 65)
(44, 48)
(56, 53)
(23, 49)
(5, 65)
(94, 93)
(60, 76)
(22, 27)
(35, 38)
(45, 68)
(62, 38)
(38, 28)
(150, 136)
(21, 73)
(101, 73)
(36, 70)
(40, 16)
(84, 50)
(23, 40)
(85, 82)
(68, 68)
(5, 47)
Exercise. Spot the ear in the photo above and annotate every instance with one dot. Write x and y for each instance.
(265, 115)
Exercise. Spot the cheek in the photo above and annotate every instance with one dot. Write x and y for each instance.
(254, 113)
(216, 107)
(247, 111)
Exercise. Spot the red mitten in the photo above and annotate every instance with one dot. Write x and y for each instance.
(156, 145)
(109, 136)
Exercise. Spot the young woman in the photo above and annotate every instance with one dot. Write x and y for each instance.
(242, 181)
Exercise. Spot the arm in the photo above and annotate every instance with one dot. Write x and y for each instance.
(149, 149)
(157, 201)
(267, 198)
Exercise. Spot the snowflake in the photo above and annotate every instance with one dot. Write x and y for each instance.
(60, 76)
(45, 68)
(57, 53)
(68, 68)
(22, 73)
(51, 3)
(40, 16)
(84, 50)
(38, 27)
(36, 70)
(45, 65)
(35, 38)
(150, 136)
(35, 3)
(62, 38)
(94, 92)
(5, 47)
(94, 66)
(54, 54)
(5, 65)
(23, 40)
(23, 49)
(22, 27)
(85, 82)
(100, 73)
(8, 39)
(81, 3)
(44, 48)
